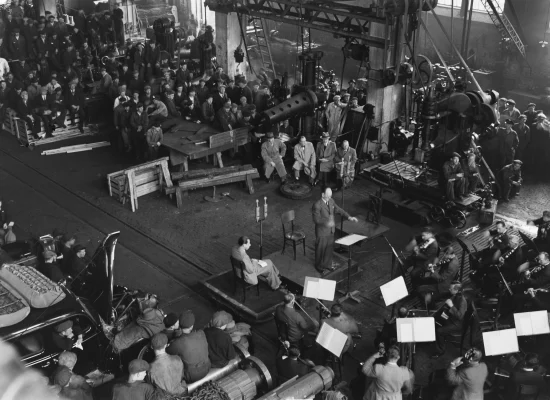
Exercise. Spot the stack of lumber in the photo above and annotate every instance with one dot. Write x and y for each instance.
(76, 148)
(132, 183)
(190, 180)
(24, 134)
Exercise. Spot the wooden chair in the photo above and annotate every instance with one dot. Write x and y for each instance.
(238, 276)
(292, 236)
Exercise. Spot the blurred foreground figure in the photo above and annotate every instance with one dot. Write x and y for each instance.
(18, 382)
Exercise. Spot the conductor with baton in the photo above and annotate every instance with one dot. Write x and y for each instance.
(323, 212)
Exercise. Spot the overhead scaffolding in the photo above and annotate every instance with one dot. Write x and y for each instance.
(503, 24)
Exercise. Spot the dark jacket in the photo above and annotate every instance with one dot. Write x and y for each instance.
(323, 217)
(220, 347)
(192, 348)
(297, 325)
(137, 120)
(289, 368)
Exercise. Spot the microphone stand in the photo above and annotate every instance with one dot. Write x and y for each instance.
(341, 249)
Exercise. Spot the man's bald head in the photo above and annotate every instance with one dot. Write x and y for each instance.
(345, 144)
(327, 194)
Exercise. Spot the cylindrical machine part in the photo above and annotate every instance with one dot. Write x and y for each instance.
(243, 384)
(319, 379)
(301, 103)
(217, 373)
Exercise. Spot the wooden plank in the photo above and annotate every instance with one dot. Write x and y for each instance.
(206, 180)
(199, 173)
(216, 181)
(139, 167)
(133, 198)
(219, 158)
(166, 172)
(250, 184)
(179, 199)
(146, 189)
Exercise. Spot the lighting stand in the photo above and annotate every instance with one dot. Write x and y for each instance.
(261, 220)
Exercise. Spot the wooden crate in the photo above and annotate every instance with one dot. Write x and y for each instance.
(134, 182)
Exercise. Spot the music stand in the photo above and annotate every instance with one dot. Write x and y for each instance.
(348, 241)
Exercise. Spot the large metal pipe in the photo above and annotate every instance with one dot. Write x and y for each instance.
(319, 379)
(245, 383)
(217, 373)
(301, 103)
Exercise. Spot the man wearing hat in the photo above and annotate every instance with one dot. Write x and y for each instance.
(172, 325)
(166, 371)
(154, 137)
(192, 348)
(43, 107)
(152, 59)
(138, 123)
(434, 284)
(220, 345)
(531, 114)
(219, 98)
(288, 367)
(325, 153)
(539, 154)
(136, 388)
(524, 136)
(77, 264)
(208, 113)
(543, 232)
(453, 178)
(105, 82)
(352, 89)
(244, 91)
(66, 335)
(191, 106)
(273, 151)
(72, 387)
(304, 160)
(225, 119)
(510, 180)
(510, 112)
(17, 47)
(51, 267)
(333, 113)
(508, 142)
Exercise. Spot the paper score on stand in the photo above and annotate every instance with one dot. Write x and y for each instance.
(317, 288)
(394, 290)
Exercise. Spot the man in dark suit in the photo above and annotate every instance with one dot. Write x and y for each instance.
(468, 374)
(531, 374)
(43, 107)
(291, 366)
(245, 91)
(24, 111)
(454, 316)
(220, 98)
(138, 126)
(75, 105)
(323, 216)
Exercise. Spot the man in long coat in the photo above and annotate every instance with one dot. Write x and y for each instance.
(325, 153)
(508, 141)
(304, 159)
(273, 151)
(333, 113)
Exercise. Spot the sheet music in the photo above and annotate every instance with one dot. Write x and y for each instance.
(350, 239)
(331, 339)
(262, 263)
(532, 323)
(317, 288)
(500, 342)
(394, 290)
(415, 330)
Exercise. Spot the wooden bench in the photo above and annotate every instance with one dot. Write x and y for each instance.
(190, 180)
(134, 182)
(19, 128)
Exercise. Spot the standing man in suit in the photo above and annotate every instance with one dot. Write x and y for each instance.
(75, 105)
(390, 380)
(468, 374)
(323, 216)
(345, 160)
(325, 153)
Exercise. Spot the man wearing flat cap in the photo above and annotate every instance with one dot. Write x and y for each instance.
(166, 371)
(172, 325)
(510, 112)
(220, 345)
(192, 348)
(135, 388)
(219, 98)
(77, 264)
(508, 143)
(524, 136)
(67, 335)
(510, 180)
(273, 151)
(453, 178)
(531, 114)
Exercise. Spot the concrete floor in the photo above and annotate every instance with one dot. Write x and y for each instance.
(168, 251)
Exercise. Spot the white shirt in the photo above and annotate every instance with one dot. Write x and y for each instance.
(4, 67)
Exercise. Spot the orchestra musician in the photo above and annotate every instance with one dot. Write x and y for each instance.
(436, 281)
(344, 322)
(449, 317)
(499, 241)
(489, 277)
(424, 251)
(534, 275)
(543, 233)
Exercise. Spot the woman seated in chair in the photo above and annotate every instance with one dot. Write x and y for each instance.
(255, 268)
